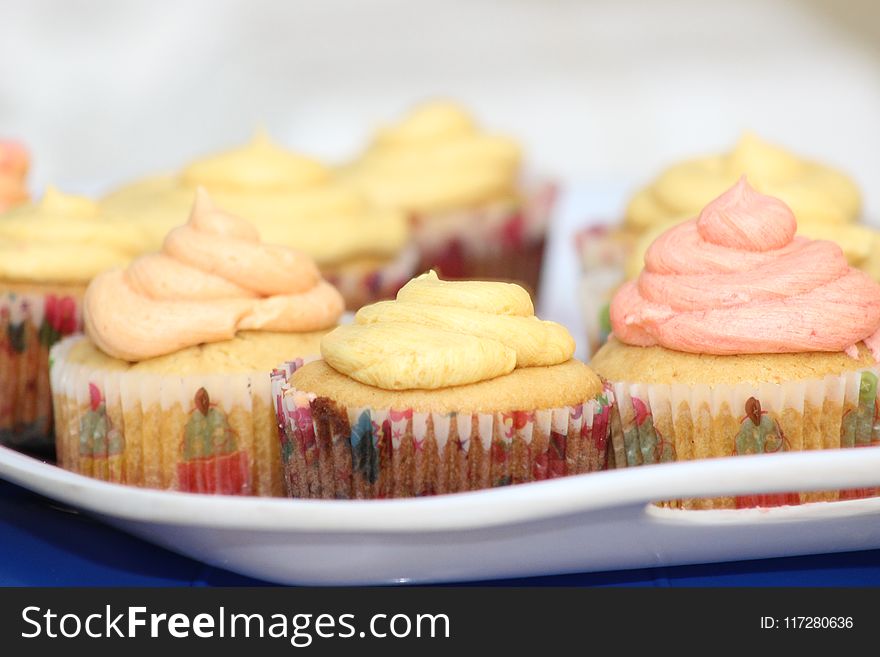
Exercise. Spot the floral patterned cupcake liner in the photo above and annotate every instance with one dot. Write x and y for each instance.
(504, 240)
(603, 251)
(359, 287)
(675, 422)
(193, 433)
(30, 323)
(329, 451)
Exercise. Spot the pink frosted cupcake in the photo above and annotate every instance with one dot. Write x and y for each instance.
(739, 337)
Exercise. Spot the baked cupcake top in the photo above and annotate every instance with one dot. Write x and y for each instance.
(814, 192)
(437, 159)
(63, 239)
(291, 199)
(737, 280)
(439, 334)
(212, 278)
(14, 164)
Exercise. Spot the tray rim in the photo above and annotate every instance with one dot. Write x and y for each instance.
(474, 510)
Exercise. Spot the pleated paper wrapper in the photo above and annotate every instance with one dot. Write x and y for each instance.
(360, 287)
(329, 451)
(499, 241)
(655, 423)
(195, 433)
(31, 321)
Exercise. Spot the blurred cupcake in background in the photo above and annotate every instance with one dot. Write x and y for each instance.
(169, 388)
(739, 337)
(14, 165)
(826, 202)
(49, 251)
(293, 201)
(473, 214)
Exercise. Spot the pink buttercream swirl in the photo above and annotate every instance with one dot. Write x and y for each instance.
(737, 280)
(212, 279)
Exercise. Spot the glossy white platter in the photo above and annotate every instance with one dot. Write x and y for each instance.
(591, 522)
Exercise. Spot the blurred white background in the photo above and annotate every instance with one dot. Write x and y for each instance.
(599, 91)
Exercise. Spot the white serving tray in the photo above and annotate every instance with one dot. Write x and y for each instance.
(592, 522)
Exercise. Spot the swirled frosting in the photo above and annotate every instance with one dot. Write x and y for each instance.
(292, 200)
(63, 239)
(439, 334)
(212, 278)
(814, 192)
(737, 280)
(14, 164)
(436, 159)
(860, 244)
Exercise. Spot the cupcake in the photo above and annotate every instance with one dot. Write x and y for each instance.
(825, 202)
(292, 201)
(740, 337)
(472, 214)
(14, 164)
(49, 251)
(169, 388)
(454, 386)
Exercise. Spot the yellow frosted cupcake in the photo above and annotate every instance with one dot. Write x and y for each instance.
(293, 201)
(49, 251)
(14, 165)
(739, 337)
(826, 203)
(463, 190)
(454, 386)
(170, 388)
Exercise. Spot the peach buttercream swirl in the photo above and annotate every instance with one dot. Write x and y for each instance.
(14, 164)
(736, 280)
(212, 278)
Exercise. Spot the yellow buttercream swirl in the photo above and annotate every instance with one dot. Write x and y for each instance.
(445, 333)
(292, 200)
(63, 239)
(436, 159)
(814, 192)
(212, 279)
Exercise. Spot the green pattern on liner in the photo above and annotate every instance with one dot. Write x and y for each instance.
(15, 334)
(364, 455)
(858, 423)
(96, 437)
(207, 434)
(765, 438)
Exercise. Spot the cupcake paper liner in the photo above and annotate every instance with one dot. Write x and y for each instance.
(31, 322)
(360, 288)
(655, 423)
(330, 451)
(191, 433)
(596, 289)
(603, 251)
(499, 241)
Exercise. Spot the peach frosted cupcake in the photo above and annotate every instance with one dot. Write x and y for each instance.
(293, 201)
(170, 386)
(826, 203)
(14, 165)
(740, 337)
(454, 386)
(49, 250)
(472, 214)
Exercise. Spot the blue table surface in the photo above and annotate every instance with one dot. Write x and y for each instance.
(44, 544)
